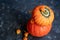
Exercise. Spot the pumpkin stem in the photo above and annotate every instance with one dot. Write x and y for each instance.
(45, 13)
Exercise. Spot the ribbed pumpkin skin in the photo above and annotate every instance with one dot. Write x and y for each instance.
(37, 30)
(41, 21)
(39, 18)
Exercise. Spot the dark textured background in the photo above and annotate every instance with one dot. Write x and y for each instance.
(15, 13)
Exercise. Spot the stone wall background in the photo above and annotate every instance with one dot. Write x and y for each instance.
(15, 14)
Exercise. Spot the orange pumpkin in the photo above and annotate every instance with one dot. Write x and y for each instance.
(41, 22)
(37, 30)
(43, 15)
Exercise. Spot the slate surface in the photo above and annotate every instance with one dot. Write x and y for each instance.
(14, 14)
